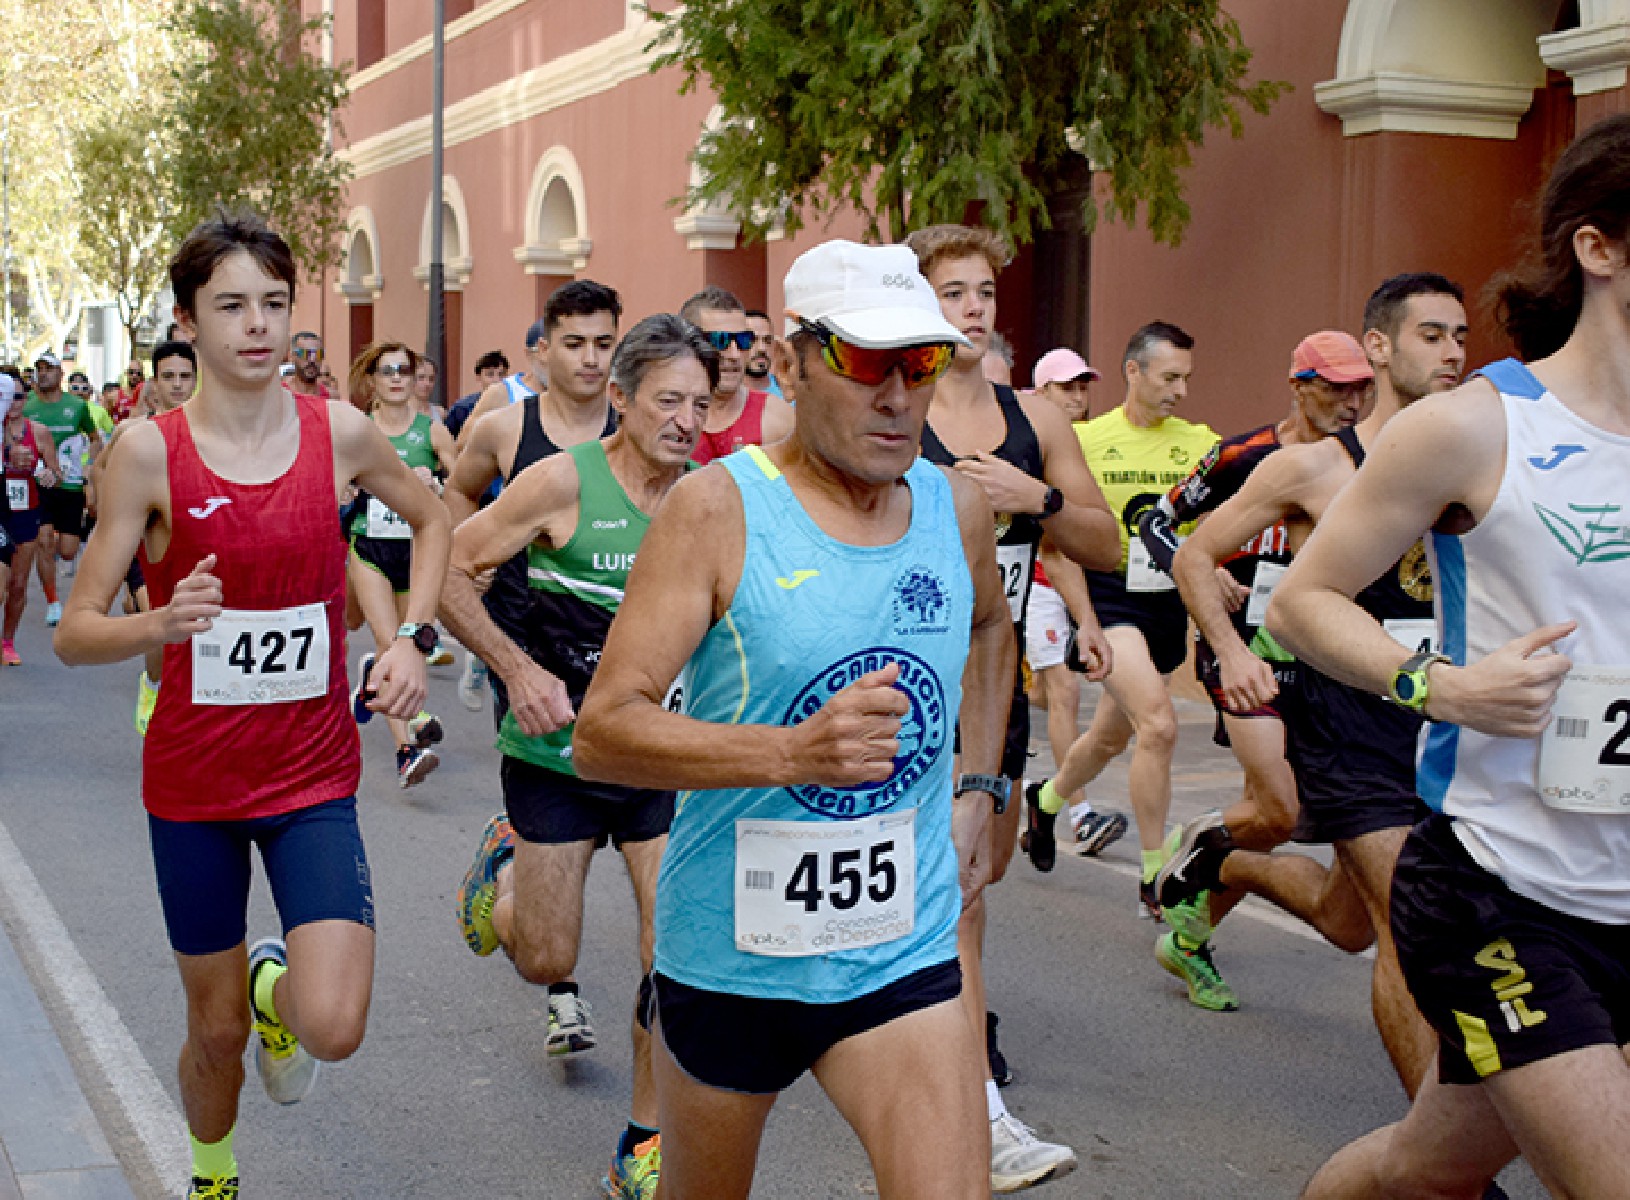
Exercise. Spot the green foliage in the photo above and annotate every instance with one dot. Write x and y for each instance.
(250, 124)
(124, 199)
(911, 110)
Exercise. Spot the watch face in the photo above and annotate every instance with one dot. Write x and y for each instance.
(1407, 688)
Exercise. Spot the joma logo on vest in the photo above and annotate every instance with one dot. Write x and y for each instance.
(612, 562)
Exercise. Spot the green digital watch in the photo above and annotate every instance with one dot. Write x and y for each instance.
(1409, 688)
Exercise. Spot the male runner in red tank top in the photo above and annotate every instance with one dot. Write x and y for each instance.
(232, 500)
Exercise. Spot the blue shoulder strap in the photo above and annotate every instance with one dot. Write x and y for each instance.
(1513, 378)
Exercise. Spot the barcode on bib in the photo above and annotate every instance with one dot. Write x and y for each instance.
(208, 650)
(760, 881)
(1572, 727)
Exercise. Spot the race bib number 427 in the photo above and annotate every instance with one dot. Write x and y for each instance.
(262, 657)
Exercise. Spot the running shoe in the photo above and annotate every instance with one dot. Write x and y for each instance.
(146, 701)
(472, 684)
(479, 889)
(569, 1028)
(414, 764)
(1149, 891)
(1019, 1159)
(1191, 919)
(218, 1187)
(359, 701)
(1193, 868)
(1207, 988)
(441, 656)
(1148, 905)
(286, 1070)
(634, 1175)
(425, 729)
(1097, 831)
(53, 613)
(9, 656)
(1000, 1073)
(1039, 842)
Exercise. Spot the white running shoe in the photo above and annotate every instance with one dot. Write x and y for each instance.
(1019, 1159)
(569, 1028)
(286, 1071)
(472, 683)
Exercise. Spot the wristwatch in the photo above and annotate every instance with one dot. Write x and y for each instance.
(998, 788)
(423, 636)
(1051, 503)
(1408, 688)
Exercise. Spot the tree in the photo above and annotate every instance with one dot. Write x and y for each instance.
(124, 205)
(250, 124)
(911, 110)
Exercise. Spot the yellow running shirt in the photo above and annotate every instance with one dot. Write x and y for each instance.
(1135, 466)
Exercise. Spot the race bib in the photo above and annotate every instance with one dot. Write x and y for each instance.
(812, 887)
(1018, 568)
(17, 494)
(1420, 636)
(1267, 577)
(674, 701)
(1141, 573)
(1584, 757)
(262, 657)
(384, 523)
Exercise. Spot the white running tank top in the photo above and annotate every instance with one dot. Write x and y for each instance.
(1555, 546)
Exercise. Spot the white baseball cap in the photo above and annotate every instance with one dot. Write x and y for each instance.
(8, 393)
(873, 296)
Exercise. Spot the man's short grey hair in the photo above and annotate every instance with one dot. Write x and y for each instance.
(656, 340)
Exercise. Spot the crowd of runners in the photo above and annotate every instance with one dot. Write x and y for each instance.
(845, 535)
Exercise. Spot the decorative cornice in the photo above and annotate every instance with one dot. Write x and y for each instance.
(1596, 57)
(1393, 102)
(566, 257)
(455, 273)
(469, 22)
(608, 63)
(705, 230)
(361, 291)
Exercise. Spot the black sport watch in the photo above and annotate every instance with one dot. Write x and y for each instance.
(424, 637)
(998, 788)
(1052, 503)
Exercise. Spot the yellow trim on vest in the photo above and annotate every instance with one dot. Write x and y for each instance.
(756, 453)
(1481, 1051)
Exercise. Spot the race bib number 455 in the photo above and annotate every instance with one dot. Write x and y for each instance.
(262, 657)
(812, 887)
(1584, 757)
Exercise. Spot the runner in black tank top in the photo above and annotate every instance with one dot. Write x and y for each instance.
(1018, 536)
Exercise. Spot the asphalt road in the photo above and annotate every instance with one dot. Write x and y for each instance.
(452, 1095)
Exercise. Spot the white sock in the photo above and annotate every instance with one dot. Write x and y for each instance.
(993, 1101)
(1080, 812)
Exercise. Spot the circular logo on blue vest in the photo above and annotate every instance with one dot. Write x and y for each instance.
(925, 731)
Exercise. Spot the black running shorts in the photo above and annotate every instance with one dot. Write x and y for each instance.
(1504, 980)
(63, 509)
(391, 557)
(1159, 616)
(551, 808)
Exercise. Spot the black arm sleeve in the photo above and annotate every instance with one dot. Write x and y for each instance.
(1158, 529)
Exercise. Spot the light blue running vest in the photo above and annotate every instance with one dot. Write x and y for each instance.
(810, 616)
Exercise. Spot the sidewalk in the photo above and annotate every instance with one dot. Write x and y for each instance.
(51, 1146)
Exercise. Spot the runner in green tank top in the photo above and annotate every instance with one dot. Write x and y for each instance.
(579, 516)
(381, 547)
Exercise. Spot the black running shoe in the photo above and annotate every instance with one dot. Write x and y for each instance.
(1039, 842)
(1001, 1074)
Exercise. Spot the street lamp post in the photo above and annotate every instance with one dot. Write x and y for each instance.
(436, 338)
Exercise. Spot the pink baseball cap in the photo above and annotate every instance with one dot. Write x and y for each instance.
(1060, 366)
(1333, 355)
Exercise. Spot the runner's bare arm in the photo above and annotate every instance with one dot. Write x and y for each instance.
(1092, 646)
(987, 680)
(539, 505)
(1267, 496)
(495, 396)
(46, 446)
(1441, 451)
(134, 483)
(681, 584)
(475, 468)
(442, 443)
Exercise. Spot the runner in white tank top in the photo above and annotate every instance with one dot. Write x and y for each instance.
(1511, 904)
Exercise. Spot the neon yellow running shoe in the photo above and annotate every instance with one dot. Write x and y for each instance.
(1207, 988)
(634, 1175)
(146, 701)
(479, 888)
(213, 1187)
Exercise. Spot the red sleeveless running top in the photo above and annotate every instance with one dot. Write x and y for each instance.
(747, 430)
(277, 545)
(18, 471)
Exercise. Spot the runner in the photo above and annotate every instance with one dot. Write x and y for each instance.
(233, 499)
(1052, 614)
(563, 403)
(379, 569)
(1353, 754)
(306, 355)
(1511, 903)
(578, 517)
(1137, 452)
(756, 363)
(30, 471)
(72, 427)
(1332, 384)
(1022, 454)
(424, 389)
(740, 416)
(818, 798)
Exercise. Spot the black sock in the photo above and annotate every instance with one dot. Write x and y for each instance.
(633, 1136)
(562, 989)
